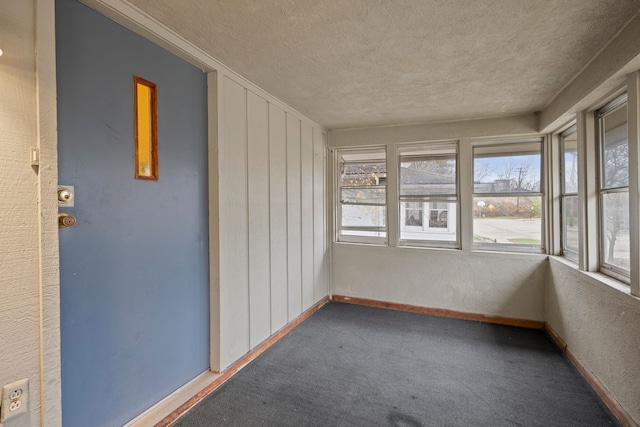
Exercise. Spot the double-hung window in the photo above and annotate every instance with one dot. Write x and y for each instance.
(613, 148)
(569, 192)
(362, 196)
(429, 195)
(507, 195)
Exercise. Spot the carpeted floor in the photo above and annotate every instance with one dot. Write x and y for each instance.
(350, 365)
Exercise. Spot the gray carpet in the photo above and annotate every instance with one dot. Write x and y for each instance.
(351, 365)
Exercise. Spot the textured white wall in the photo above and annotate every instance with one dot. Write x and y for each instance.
(270, 197)
(600, 325)
(19, 226)
(494, 284)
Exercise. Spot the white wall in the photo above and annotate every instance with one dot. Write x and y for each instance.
(19, 290)
(29, 322)
(506, 285)
(271, 231)
(599, 322)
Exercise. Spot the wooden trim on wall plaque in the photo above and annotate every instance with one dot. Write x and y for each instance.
(241, 363)
(522, 323)
(145, 128)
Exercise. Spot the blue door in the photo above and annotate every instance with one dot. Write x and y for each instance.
(134, 268)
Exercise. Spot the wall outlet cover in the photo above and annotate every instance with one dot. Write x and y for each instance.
(15, 399)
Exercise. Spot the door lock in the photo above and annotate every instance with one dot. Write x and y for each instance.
(66, 220)
(65, 195)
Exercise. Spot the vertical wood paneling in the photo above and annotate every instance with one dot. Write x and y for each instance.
(259, 247)
(293, 217)
(214, 98)
(306, 191)
(319, 232)
(272, 233)
(278, 216)
(234, 262)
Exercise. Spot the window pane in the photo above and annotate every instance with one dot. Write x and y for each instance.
(510, 220)
(428, 176)
(570, 223)
(363, 176)
(364, 195)
(363, 216)
(508, 168)
(428, 221)
(615, 229)
(570, 165)
(615, 155)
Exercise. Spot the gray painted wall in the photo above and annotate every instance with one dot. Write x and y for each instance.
(134, 269)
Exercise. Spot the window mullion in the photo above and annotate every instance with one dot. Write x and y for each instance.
(587, 192)
(465, 188)
(393, 203)
(633, 117)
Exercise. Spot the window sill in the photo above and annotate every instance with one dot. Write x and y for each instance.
(479, 253)
(363, 242)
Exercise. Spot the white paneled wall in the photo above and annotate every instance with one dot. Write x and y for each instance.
(294, 246)
(272, 232)
(259, 267)
(234, 222)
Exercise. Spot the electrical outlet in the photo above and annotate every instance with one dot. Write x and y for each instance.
(15, 399)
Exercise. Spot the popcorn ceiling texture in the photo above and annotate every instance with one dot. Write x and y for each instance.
(375, 62)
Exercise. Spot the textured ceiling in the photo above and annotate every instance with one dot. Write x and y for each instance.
(355, 63)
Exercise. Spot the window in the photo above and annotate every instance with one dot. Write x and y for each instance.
(429, 194)
(613, 147)
(145, 104)
(362, 196)
(569, 192)
(508, 195)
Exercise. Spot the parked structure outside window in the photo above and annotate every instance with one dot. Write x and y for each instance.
(429, 194)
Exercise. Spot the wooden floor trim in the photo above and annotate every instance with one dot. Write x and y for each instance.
(522, 323)
(241, 363)
(613, 405)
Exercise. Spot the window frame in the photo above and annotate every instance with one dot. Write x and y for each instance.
(512, 247)
(564, 195)
(427, 199)
(604, 267)
(355, 238)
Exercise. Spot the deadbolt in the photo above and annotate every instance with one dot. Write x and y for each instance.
(65, 195)
(66, 220)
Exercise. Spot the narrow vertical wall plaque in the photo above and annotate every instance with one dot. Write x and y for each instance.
(145, 107)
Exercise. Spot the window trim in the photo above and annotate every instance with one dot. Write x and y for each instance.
(337, 176)
(512, 247)
(604, 267)
(566, 252)
(428, 198)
